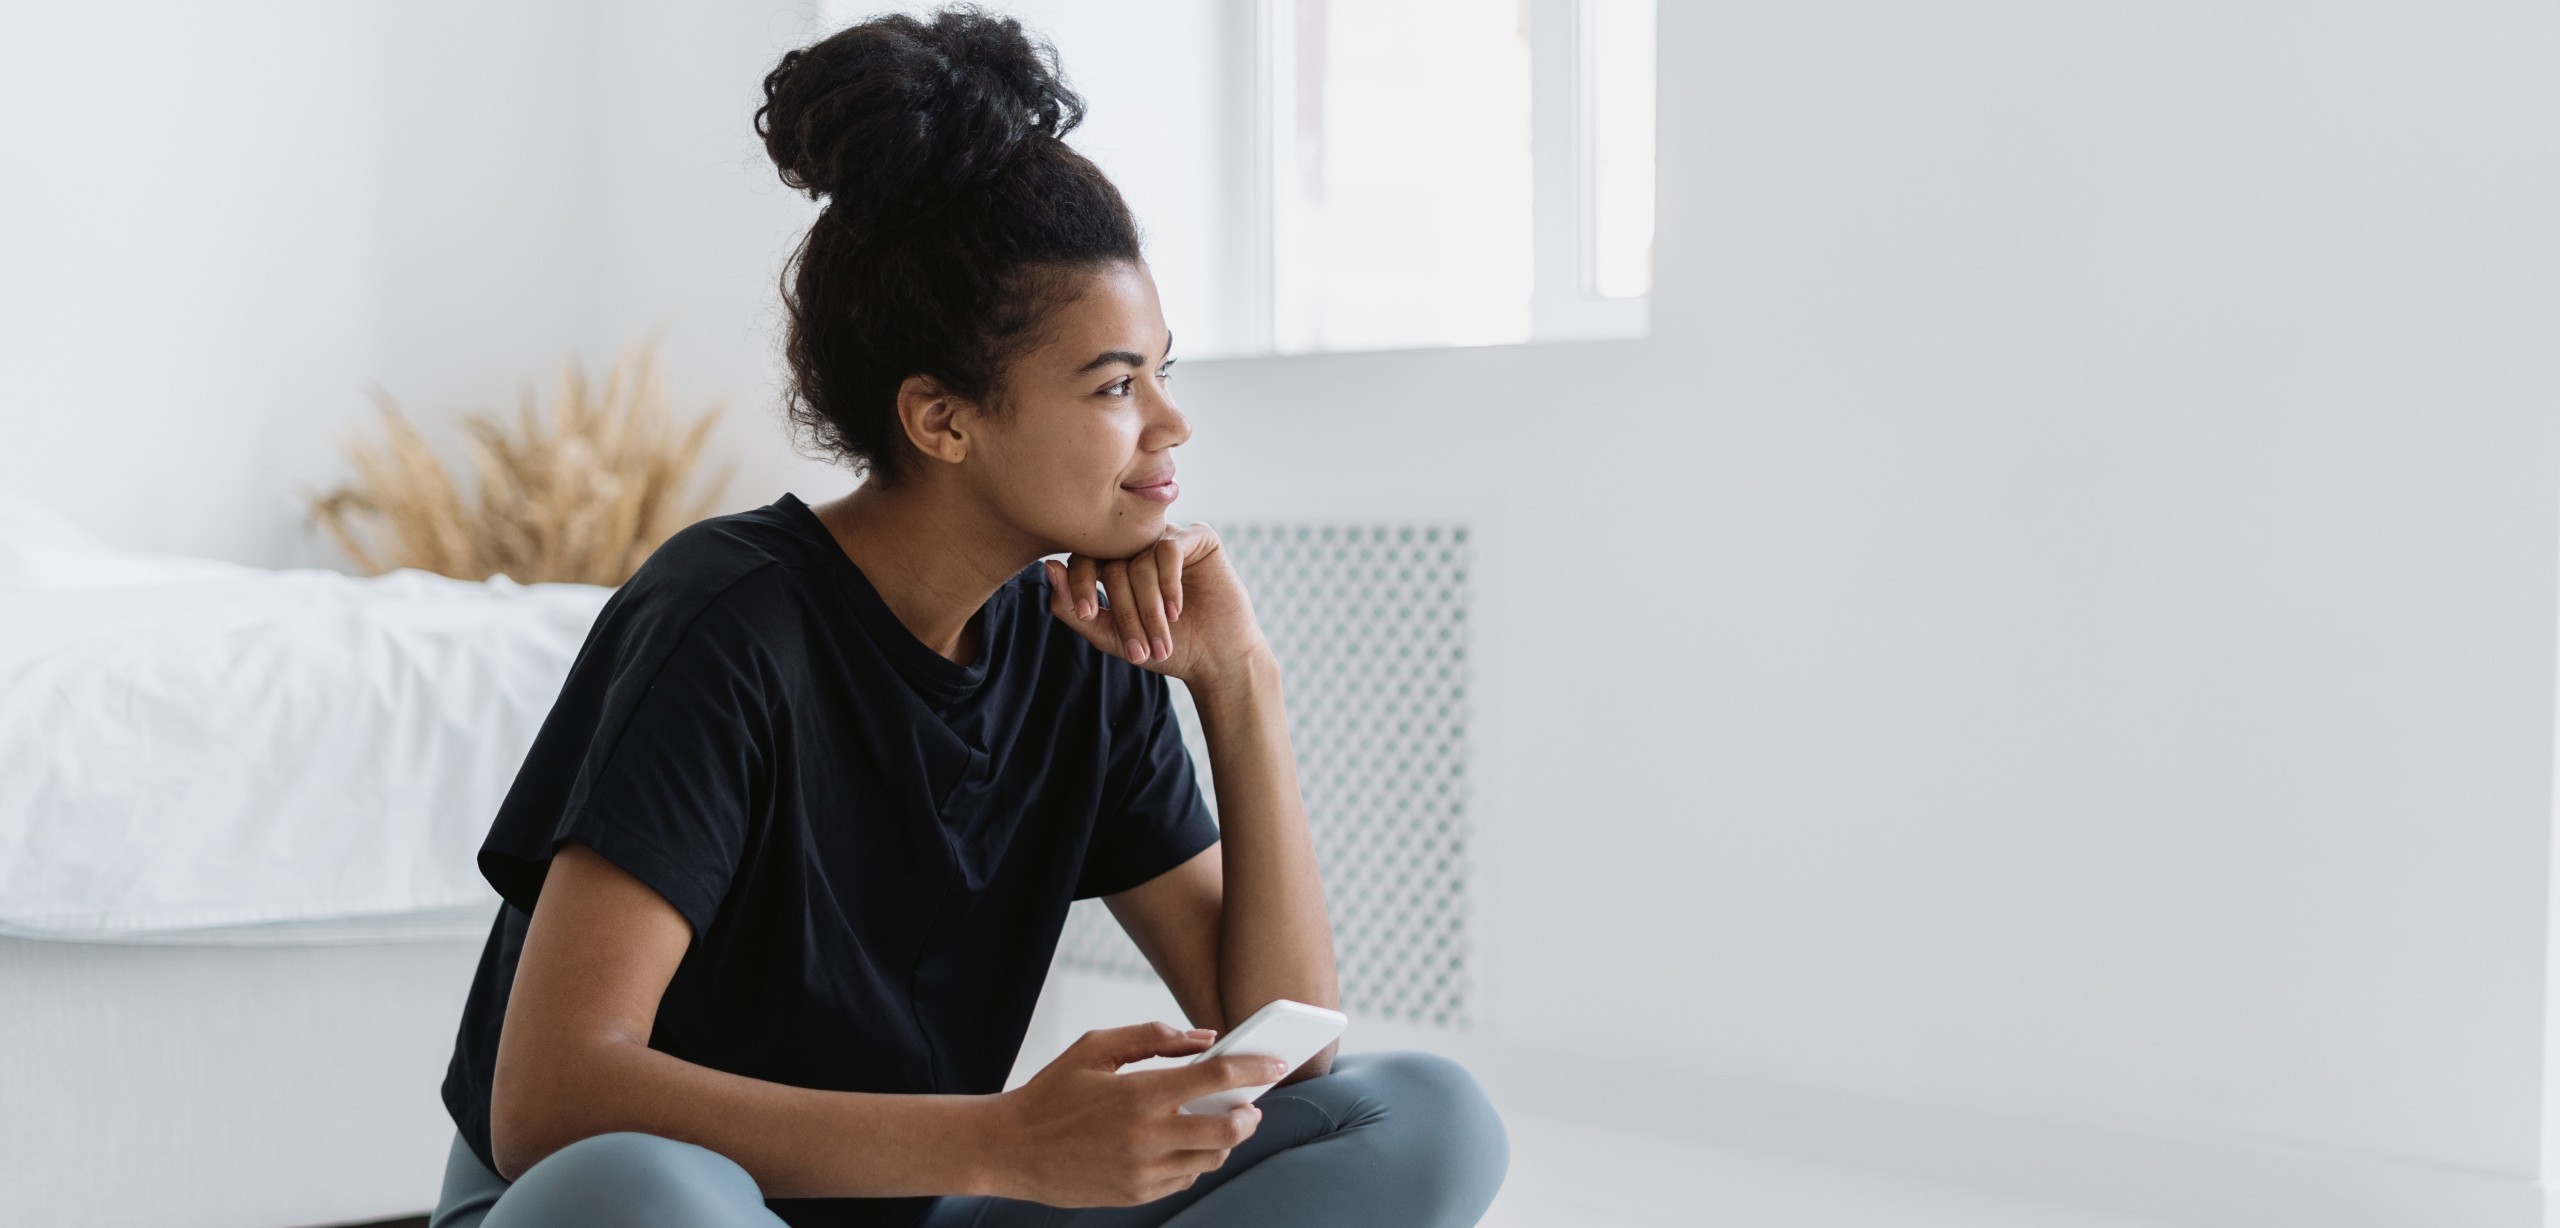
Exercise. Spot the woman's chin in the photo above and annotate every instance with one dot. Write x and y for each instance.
(1122, 537)
(1126, 543)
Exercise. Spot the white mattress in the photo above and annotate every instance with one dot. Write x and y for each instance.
(194, 750)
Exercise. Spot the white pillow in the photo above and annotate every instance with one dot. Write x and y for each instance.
(41, 549)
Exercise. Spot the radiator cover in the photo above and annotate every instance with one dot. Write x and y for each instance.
(1369, 622)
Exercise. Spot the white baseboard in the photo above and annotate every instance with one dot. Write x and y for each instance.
(2163, 1177)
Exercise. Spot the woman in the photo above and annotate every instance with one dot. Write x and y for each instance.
(786, 865)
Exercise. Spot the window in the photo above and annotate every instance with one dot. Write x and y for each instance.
(1615, 48)
(1399, 147)
(1321, 175)
(1454, 172)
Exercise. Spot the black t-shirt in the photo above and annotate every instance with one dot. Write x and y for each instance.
(875, 845)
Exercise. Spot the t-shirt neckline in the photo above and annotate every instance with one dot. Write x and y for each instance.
(944, 679)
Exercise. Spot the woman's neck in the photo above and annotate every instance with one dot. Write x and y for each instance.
(931, 556)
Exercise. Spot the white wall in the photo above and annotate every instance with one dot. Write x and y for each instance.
(186, 254)
(568, 178)
(2040, 670)
(2056, 625)
(485, 176)
(221, 225)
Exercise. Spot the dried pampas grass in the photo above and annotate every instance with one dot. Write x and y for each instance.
(581, 493)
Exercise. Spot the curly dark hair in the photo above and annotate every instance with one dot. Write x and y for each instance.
(956, 216)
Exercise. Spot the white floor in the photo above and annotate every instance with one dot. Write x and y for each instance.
(1566, 1174)
(1570, 1174)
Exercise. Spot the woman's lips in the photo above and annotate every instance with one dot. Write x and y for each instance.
(1165, 491)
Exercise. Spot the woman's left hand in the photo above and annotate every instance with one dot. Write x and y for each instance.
(1176, 607)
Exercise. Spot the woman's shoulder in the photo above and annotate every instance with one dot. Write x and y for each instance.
(719, 550)
(744, 571)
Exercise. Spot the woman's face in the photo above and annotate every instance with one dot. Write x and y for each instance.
(1080, 456)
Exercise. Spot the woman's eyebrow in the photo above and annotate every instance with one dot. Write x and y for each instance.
(1109, 357)
(1123, 357)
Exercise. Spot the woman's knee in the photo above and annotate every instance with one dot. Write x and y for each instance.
(1457, 1134)
(631, 1180)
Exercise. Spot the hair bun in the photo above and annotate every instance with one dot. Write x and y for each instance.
(892, 116)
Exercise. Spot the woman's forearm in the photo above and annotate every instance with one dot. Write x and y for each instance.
(796, 1142)
(1274, 939)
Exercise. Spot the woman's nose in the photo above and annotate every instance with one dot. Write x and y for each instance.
(1169, 426)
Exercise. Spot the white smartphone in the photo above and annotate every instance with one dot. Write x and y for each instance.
(1290, 1031)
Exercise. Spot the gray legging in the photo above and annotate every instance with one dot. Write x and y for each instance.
(1384, 1138)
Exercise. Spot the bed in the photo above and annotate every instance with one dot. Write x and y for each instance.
(238, 907)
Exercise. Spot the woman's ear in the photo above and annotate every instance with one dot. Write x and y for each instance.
(936, 421)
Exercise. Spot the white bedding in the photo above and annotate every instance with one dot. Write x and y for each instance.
(190, 746)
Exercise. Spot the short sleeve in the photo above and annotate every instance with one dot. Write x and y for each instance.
(651, 757)
(1153, 816)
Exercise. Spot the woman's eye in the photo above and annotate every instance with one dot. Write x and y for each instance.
(1117, 388)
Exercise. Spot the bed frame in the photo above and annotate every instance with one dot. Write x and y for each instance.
(225, 1086)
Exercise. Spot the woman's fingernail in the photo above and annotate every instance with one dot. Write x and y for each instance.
(1137, 650)
(1084, 609)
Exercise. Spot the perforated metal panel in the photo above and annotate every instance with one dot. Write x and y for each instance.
(1370, 625)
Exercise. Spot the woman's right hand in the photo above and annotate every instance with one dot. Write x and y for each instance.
(1081, 1134)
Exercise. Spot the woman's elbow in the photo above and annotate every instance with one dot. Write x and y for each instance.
(508, 1136)
(524, 1126)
